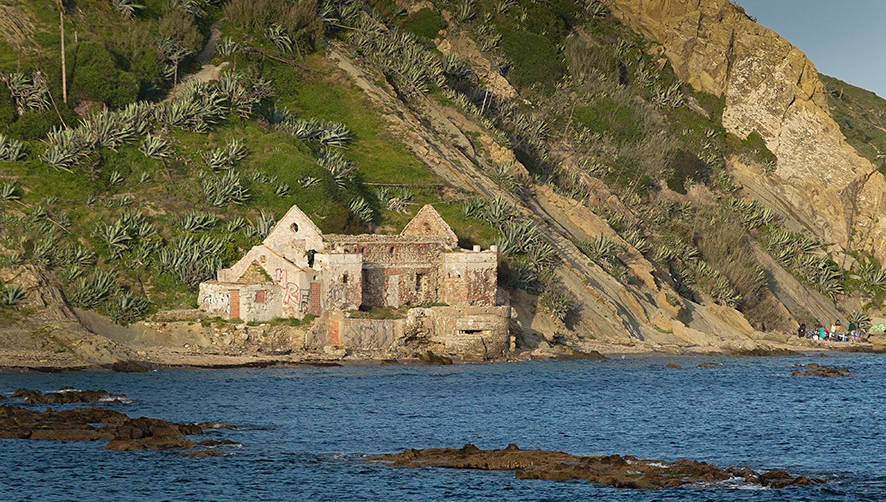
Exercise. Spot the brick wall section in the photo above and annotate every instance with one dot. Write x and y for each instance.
(469, 278)
(315, 298)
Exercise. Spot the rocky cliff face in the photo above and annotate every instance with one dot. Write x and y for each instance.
(772, 88)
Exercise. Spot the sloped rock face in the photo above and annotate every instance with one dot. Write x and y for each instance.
(772, 88)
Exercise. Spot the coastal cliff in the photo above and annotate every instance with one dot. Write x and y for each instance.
(771, 88)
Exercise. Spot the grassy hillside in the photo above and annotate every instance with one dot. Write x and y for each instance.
(137, 187)
(862, 118)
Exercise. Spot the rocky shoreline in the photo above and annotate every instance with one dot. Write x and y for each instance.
(610, 470)
(160, 358)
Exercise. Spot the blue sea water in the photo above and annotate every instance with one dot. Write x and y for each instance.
(306, 430)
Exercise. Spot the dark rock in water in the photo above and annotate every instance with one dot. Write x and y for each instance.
(761, 352)
(570, 354)
(612, 470)
(215, 442)
(431, 358)
(96, 424)
(217, 425)
(131, 367)
(206, 453)
(389, 362)
(709, 364)
(673, 366)
(66, 395)
(815, 369)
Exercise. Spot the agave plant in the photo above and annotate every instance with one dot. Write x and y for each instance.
(517, 236)
(308, 181)
(30, 93)
(66, 148)
(559, 305)
(323, 132)
(601, 250)
(634, 237)
(11, 149)
(871, 275)
(126, 309)
(12, 295)
(200, 106)
(264, 224)
(224, 190)
(724, 293)
(860, 319)
(115, 236)
(466, 11)
(174, 53)
(156, 147)
(191, 260)
(236, 224)
(242, 94)
(10, 191)
(126, 8)
(93, 291)
(360, 208)
(282, 190)
(341, 169)
(498, 211)
(196, 221)
(279, 37)
(115, 178)
(227, 46)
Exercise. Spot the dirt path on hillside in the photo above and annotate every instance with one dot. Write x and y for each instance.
(208, 71)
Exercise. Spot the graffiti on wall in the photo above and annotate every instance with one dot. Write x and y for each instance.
(216, 300)
(292, 295)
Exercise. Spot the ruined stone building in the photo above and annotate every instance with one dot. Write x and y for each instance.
(450, 292)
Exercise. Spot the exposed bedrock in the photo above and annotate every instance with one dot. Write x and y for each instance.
(611, 470)
(771, 87)
(96, 424)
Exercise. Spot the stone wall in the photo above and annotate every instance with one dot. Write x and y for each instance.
(467, 332)
(294, 235)
(469, 277)
(341, 281)
(257, 302)
(472, 333)
(337, 329)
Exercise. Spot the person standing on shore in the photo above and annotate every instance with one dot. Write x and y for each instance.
(801, 331)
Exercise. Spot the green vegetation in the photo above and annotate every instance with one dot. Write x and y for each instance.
(424, 23)
(861, 115)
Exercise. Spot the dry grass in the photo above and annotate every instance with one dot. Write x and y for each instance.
(257, 15)
(16, 27)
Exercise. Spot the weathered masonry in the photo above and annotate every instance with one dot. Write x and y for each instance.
(297, 271)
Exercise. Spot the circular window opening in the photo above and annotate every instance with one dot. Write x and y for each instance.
(294, 227)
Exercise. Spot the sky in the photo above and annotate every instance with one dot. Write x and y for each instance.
(844, 39)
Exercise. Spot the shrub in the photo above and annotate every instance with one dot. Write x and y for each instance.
(534, 57)
(7, 106)
(606, 114)
(685, 167)
(34, 125)
(96, 76)
(558, 304)
(424, 23)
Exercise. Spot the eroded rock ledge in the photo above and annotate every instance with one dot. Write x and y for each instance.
(98, 424)
(612, 470)
(67, 396)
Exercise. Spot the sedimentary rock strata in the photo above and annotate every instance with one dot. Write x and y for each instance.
(612, 470)
(771, 88)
